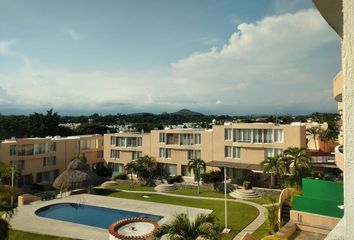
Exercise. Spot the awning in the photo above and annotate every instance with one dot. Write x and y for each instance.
(331, 10)
(222, 164)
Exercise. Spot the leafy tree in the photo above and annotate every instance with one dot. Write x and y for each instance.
(130, 168)
(196, 164)
(300, 160)
(314, 132)
(146, 168)
(274, 166)
(205, 226)
(4, 229)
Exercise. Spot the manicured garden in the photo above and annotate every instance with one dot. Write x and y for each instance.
(239, 215)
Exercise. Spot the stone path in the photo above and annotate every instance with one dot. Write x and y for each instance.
(253, 226)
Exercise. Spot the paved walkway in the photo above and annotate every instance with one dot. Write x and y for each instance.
(253, 226)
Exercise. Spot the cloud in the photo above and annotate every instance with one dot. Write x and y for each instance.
(73, 34)
(279, 64)
(5, 47)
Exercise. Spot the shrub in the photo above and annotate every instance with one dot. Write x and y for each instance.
(247, 185)
(173, 179)
(211, 176)
(120, 176)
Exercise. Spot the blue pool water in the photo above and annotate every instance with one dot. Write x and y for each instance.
(88, 215)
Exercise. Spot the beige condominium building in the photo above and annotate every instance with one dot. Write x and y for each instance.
(240, 148)
(41, 160)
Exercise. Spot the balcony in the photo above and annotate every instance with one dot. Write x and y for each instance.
(338, 87)
(339, 157)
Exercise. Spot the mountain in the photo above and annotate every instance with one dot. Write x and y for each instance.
(187, 112)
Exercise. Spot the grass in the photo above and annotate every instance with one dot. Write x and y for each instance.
(20, 235)
(203, 193)
(262, 231)
(239, 215)
(134, 188)
(265, 199)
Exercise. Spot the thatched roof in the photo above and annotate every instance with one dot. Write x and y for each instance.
(77, 175)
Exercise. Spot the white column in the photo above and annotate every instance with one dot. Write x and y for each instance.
(348, 94)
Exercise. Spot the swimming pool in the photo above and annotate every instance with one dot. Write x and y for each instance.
(100, 217)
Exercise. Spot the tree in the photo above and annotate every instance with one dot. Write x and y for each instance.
(146, 168)
(196, 164)
(274, 166)
(4, 229)
(205, 226)
(300, 160)
(130, 168)
(314, 132)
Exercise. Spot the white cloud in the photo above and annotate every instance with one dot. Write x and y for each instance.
(5, 47)
(263, 68)
(73, 34)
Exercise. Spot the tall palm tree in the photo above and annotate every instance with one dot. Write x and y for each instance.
(196, 164)
(205, 226)
(299, 158)
(274, 166)
(314, 132)
(130, 168)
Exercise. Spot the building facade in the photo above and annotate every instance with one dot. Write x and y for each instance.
(240, 148)
(41, 160)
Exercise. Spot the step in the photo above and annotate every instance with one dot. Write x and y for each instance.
(165, 188)
(244, 194)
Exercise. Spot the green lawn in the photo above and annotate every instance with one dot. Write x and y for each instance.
(203, 193)
(134, 188)
(20, 235)
(262, 231)
(265, 199)
(240, 215)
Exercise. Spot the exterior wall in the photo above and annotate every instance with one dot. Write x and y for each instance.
(65, 150)
(254, 153)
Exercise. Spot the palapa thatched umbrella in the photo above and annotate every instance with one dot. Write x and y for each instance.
(77, 176)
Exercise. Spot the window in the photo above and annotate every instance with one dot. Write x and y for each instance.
(136, 155)
(120, 142)
(115, 153)
(52, 147)
(228, 151)
(39, 148)
(185, 172)
(49, 161)
(99, 154)
(257, 135)
(194, 154)
(140, 141)
(47, 176)
(12, 150)
(165, 153)
(116, 168)
(113, 140)
(171, 169)
(268, 135)
(278, 151)
(278, 135)
(186, 139)
(228, 134)
(197, 138)
(242, 135)
(162, 138)
(268, 152)
(236, 152)
(172, 139)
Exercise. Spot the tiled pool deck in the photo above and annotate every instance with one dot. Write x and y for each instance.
(25, 218)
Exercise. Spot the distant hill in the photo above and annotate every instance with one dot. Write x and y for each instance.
(187, 112)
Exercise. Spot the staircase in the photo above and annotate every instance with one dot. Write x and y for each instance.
(244, 194)
(165, 188)
(285, 212)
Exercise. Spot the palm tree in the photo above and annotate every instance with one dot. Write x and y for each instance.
(146, 168)
(274, 166)
(131, 167)
(314, 132)
(300, 159)
(196, 164)
(205, 226)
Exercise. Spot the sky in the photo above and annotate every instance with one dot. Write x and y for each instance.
(126, 56)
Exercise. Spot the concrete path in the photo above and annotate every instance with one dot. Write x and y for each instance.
(253, 226)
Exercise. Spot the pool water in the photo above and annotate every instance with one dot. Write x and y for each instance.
(89, 215)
